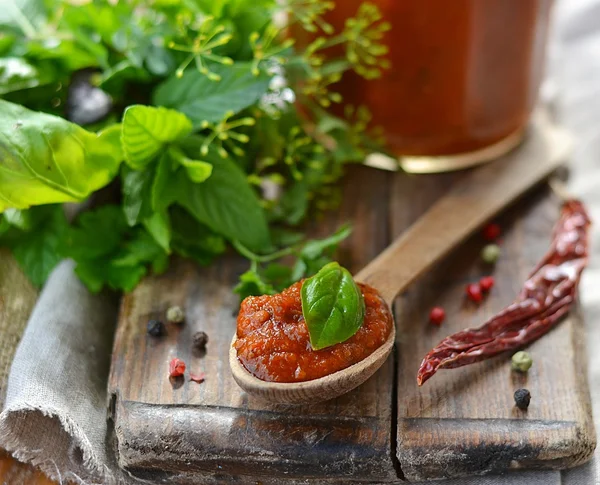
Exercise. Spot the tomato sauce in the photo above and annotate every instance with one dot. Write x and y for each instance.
(465, 73)
(273, 342)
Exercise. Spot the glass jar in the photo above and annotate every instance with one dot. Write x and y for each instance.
(464, 78)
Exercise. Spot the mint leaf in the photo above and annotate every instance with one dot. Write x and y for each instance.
(226, 203)
(198, 171)
(146, 130)
(136, 186)
(332, 305)
(159, 227)
(193, 239)
(37, 247)
(45, 159)
(204, 100)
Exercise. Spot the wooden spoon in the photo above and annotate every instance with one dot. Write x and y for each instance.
(471, 202)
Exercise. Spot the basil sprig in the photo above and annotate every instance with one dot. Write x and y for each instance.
(332, 305)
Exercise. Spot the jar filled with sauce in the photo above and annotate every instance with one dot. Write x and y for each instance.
(464, 79)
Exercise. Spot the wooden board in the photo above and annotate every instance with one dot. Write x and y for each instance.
(165, 430)
(461, 422)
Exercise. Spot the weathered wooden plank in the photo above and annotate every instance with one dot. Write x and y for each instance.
(215, 427)
(463, 421)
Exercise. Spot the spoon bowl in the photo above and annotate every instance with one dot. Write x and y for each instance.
(316, 390)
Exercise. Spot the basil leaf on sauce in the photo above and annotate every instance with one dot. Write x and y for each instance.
(332, 305)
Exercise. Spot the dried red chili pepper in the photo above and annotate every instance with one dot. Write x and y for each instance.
(546, 296)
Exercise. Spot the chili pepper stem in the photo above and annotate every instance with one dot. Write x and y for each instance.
(559, 188)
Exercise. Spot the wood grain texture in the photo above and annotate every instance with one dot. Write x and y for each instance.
(463, 421)
(17, 297)
(174, 428)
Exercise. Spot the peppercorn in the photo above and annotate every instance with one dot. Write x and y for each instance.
(200, 340)
(486, 283)
(437, 315)
(491, 232)
(521, 361)
(176, 367)
(490, 253)
(155, 328)
(175, 314)
(522, 398)
(474, 292)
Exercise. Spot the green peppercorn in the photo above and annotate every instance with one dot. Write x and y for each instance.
(521, 361)
(175, 314)
(490, 253)
(522, 398)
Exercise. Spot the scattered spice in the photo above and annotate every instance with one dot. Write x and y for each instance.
(176, 367)
(437, 315)
(546, 297)
(486, 283)
(490, 253)
(175, 314)
(199, 377)
(155, 328)
(474, 292)
(200, 340)
(521, 361)
(491, 232)
(522, 398)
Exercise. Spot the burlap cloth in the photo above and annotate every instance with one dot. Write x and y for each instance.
(55, 410)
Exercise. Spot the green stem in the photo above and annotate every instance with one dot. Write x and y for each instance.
(256, 258)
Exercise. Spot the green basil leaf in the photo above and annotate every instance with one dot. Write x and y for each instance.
(332, 305)
(45, 159)
(146, 130)
(204, 100)
(22, 15)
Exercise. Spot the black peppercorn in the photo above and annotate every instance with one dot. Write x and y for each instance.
(200, 340)
(522, 398)
(155, 328)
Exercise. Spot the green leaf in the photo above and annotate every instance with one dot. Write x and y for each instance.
(23, 15)
(97, 233)
(193, 239)
(204, 100)
(226, 203)
(316, 247)
(17, 74)
(159, 227)
(136, 187)
(160, 196)
(146, 130)
(110, 253)
(198, 171)
(38, 248)
(332, 305)
(45, 159)
(252, 284)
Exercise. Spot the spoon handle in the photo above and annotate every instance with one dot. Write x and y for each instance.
(472, 201)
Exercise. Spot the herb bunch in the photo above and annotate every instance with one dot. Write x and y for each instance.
(206, 116)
